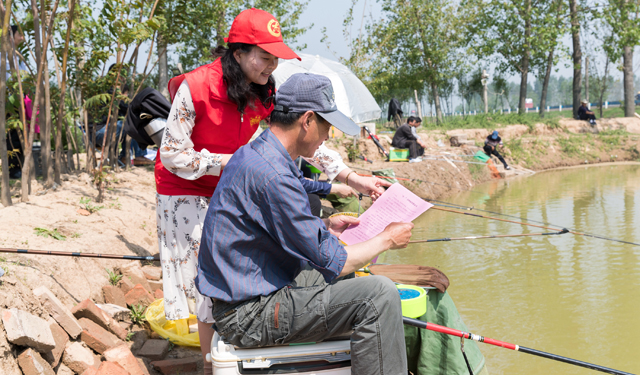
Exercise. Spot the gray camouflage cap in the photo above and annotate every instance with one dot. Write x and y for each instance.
(312, 92)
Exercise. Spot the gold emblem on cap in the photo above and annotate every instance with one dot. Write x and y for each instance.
(274, 28)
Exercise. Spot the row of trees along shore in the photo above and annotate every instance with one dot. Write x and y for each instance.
(429, 49)
(65, 58)
(433, 48)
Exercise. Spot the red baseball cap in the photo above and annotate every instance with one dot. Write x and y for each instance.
(257, 27)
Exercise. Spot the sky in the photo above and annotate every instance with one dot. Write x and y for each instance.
(330, 14)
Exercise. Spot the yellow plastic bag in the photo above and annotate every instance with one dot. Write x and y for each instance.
(177, 331)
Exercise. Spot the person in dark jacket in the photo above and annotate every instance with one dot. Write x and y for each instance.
(406, 137)
(395, 112)
(490, 147)
(585, 114)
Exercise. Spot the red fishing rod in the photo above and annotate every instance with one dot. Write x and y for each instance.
(506, 345)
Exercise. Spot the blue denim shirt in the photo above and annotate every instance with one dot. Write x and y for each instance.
(259, 232)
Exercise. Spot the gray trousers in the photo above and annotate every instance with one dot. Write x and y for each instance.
(310, 310)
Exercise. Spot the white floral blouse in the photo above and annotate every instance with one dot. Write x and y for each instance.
(179, 156)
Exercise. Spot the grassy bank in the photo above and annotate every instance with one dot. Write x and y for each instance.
(492, 120)
(535, 152)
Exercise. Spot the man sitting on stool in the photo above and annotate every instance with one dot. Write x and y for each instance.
(272, 269)
(407, 137)
(585, 114)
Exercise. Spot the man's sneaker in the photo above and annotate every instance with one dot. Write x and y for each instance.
(416, 160)
(507, 167)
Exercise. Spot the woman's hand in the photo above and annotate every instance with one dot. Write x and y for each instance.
(371, 186)
(339, 223)
(343, 191)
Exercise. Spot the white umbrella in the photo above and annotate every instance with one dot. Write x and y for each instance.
(352, 96)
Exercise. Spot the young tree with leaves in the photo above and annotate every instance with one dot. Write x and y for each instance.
(513, 33)
(418, 45)
(622, 17)
(5, 194)
(576, 55)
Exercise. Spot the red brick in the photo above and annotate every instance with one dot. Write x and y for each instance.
(111, 368)
(90, 371)
(96, 337)
(175, 366)
(123, 356)
(155, 350)
(25, 329)
(133, 272)
(139, 296)
(58, 311)
(155, 285)
(32, 363)
(152, 273)
(114, 295)
(79, 358)
(158, 294)
(125, 284)
(87, 309)
(61, 338)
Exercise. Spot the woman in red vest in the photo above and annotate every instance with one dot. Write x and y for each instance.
(216, 109)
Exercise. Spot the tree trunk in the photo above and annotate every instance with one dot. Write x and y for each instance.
(545, 84)
(577, 55)
(525, 61)
(586, 79)
(5, 192)
(163, 68)
(436, 102)
(523, 84)
(63, 88)
(627, 71)
(603, 86)
(48, 175)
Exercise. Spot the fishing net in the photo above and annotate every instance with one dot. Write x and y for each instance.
(423, 276)
(389, 172)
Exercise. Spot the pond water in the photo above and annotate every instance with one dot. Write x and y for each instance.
(569, 295)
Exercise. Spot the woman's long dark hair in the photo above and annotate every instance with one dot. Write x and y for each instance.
(238, 90)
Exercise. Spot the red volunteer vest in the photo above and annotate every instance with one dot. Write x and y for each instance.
(219, 127)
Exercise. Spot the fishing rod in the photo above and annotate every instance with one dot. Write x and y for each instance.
(533, 225)
(587, 234)
(467, 335)
(375, 140)
(563, 231)
(76, 254)
(454, 161)
(406, 179)
(412, 179)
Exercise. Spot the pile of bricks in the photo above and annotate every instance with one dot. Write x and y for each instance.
(89, 339)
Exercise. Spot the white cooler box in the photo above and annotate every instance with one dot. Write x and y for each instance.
(330, 357)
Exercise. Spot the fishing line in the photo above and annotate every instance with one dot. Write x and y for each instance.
(413, 179)
(548, 225)
(460, 207)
